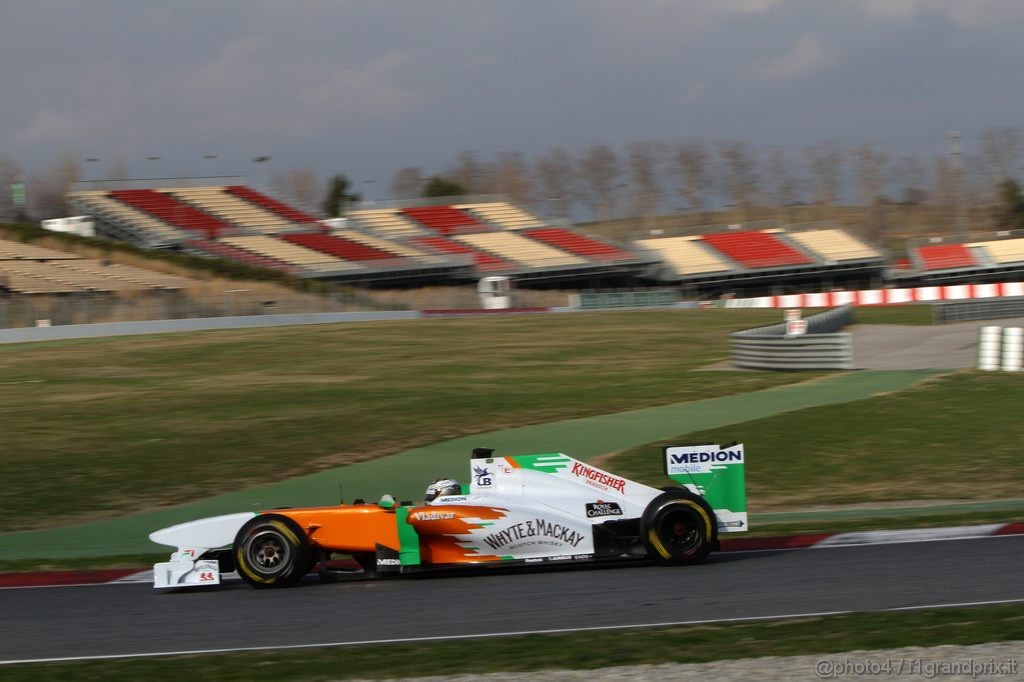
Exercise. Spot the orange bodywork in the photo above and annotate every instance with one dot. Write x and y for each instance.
(361, 528)
(347, 528)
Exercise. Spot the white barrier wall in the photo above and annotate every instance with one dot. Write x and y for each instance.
(833, 299)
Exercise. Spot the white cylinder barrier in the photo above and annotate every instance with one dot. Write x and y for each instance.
(988, 348)
(1013, 353)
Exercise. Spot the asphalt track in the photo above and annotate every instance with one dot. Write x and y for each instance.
(115, 620)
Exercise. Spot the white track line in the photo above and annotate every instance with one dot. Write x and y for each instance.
(517, 633)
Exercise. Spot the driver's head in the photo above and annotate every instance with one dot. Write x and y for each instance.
(440, 488)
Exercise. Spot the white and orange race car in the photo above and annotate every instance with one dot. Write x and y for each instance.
(522, 509)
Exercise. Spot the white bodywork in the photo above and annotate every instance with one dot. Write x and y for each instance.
(192, 540)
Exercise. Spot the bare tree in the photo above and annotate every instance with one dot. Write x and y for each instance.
(47, 190)
(784, 185)
(644, 160)
(909, 172)
(825, 163)
(1000, 152)
(407, 183)
(556, 178)
(511, 177)
(300, 186)
(692, 165)
(10, 174)
(472, 173)
(599, 169)
(873, 175)
(944, 182)
(740, 174)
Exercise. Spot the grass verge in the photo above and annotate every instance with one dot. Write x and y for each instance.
(578, 651)
(952, 437)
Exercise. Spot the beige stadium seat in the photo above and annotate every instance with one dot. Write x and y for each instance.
(388, 246)
(98, 203)
(17, 251)
(387, 222)
(20, 283)
(504, 215)
(833, 244)
(292, 254)
(686, 255)
(228, 207)
(515, 247)
(1003, 251)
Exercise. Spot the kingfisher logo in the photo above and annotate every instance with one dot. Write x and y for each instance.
(706, 457)
(598, 478)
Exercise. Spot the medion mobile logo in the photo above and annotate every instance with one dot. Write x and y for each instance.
(721, 456)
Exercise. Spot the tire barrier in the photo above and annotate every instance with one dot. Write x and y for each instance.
(1001, 348)
(822, 347)
(968, 311)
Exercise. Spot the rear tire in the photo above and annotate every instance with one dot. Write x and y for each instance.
(678, 528)
(272, 551)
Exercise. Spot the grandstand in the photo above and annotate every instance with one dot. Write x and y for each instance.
(502, 215)
(483, 261)
(512, 246)
(231, 208)
(280, 208)
(27, 269)
(299, 258)
(172, 211)
(1002, 251)
(387, 222)
(757, 249)
(125, 222)
(445, 220)
(834, 244)
(686, 255)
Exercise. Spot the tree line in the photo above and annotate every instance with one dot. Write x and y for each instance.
(654, 177)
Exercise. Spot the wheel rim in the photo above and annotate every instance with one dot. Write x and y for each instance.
(680, 531)
(268, 552)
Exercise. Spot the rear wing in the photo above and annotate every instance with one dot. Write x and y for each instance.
(716, 473)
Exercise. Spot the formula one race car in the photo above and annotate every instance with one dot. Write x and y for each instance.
(521, 509)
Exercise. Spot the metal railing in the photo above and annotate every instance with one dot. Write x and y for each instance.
(966, 311)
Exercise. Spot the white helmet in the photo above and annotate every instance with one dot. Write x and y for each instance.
(440, 488)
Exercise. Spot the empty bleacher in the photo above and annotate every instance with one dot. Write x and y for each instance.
(147, 278)
(222, 250)
(144, 226)
(16, 281)
(686, 255)
(172, 211)
(445, 220)
(387, 222)
(397, 249)
(834, 244)
(515, 247)
(338, 246)
(85, 280)
(1002, 251)
(287, 212)
(503, 215)
(577, 244)
(484, 262)
(18, 251)
(231, 208)
(756, 249)
(286, 252)
(945, 257)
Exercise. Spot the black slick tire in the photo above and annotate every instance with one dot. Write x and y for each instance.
(678, 528)
(271, 550)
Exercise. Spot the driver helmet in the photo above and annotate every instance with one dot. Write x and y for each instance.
(442, 487)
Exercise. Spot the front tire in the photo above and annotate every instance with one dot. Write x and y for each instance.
(678, 528)
(272, 551)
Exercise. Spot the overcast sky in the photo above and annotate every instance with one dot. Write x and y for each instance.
(366, 88)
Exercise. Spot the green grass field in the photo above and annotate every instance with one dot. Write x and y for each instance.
(102, 427)
(950, 438)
